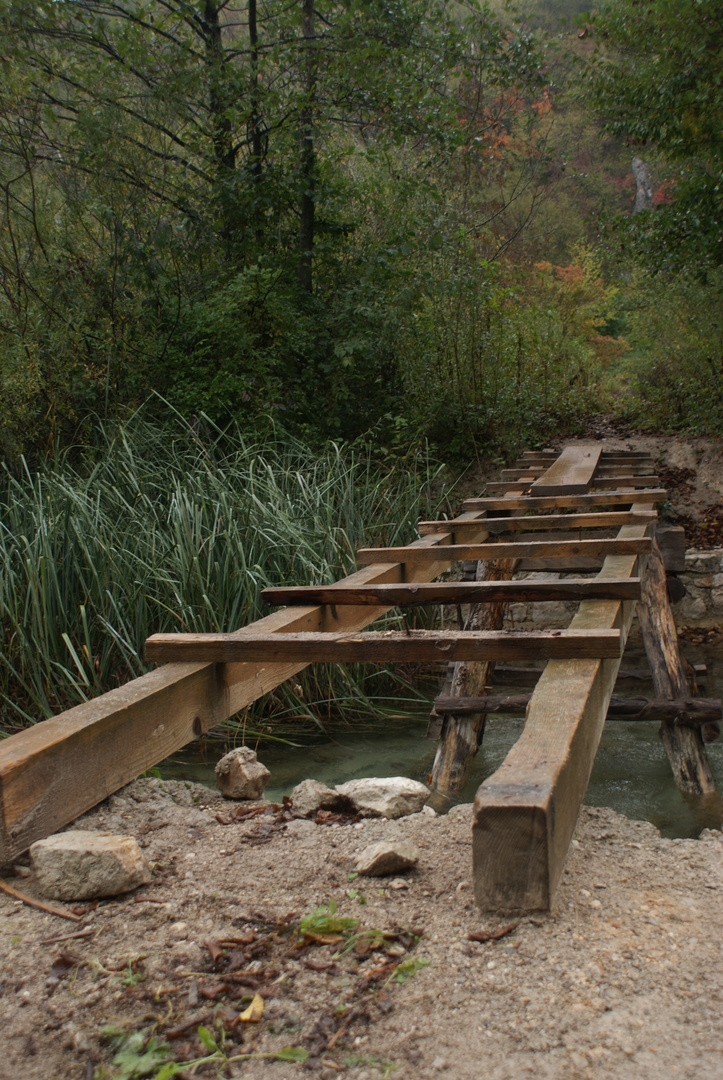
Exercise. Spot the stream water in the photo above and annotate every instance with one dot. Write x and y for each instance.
(631, 772)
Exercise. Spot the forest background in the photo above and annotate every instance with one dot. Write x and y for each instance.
(261, 262)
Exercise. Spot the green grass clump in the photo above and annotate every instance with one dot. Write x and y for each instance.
(169, 528)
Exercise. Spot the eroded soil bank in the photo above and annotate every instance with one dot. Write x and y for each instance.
(622, 979)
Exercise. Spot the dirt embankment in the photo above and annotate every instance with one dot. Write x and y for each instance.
(622, 979)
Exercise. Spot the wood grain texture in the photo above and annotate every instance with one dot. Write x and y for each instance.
(544, 549)
(571, 473)
(683, 744)
(692, 712)
(525, 813)
(527, 522)
(56, 770)
(457, 592)
(527, 502)
(620, 481)
(384, 647)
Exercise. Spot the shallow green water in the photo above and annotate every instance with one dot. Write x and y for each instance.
(631, 772)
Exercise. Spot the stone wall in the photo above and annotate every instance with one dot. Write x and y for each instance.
(702, 606)
(703, 580)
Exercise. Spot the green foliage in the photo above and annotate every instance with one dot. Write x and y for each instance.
(408, 969)
(673, 381)
(324, 920)
(135, 1055)
(172, 527)
(657, 80)
(154, 177)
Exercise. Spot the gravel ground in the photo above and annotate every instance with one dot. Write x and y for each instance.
(621, 980)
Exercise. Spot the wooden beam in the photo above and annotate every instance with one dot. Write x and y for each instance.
(544, 549)
(603, 484)
(606, 455)
(536, 469)
(608, 482)
(571, 473)
(527, 502)
(525, 813)
(384, 647)
(526, 523)
(457, 592)
(56, 770)
(688, 712)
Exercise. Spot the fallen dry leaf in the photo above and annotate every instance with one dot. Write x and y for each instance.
(214, 949)
(255, 1011)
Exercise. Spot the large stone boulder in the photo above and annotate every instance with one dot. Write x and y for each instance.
(82, 865)
(389, 796)
(240, 775)
(387, 857)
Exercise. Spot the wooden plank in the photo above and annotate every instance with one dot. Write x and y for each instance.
(561, 566)
(571, 473)
(56, 770)
(384, 647)
(690, 712)
(624, 467)
(525, 813)
(606, 455)
(457, 592)
(520, 471)
(544, 549)
(536, 469)
(603, 520)
(552, 502)
(607, 482)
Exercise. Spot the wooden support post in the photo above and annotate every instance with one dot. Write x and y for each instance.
(683, 744)
(460, 736)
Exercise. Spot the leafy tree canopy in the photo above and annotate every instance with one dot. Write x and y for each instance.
(657, 81)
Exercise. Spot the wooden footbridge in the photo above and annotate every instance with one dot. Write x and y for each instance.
(583, 511)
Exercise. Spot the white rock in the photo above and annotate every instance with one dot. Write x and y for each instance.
(387, 857)
(310, 796)
(239, 775)
(80, 865)
(390, 796)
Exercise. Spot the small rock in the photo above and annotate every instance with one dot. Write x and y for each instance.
(81, 865)
(239, 774)
(310, 796)
(389, 796)
(387, 857)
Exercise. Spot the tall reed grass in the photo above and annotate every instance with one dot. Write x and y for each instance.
(165, 528)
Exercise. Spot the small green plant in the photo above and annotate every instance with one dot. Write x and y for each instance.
(135, 1056)
(407, 969)
(132, 977)
(324, 921)
(217, 1055)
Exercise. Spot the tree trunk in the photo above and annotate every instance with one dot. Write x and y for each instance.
(683, 744)
(254, 125)
(307, 162)
(223, 145)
